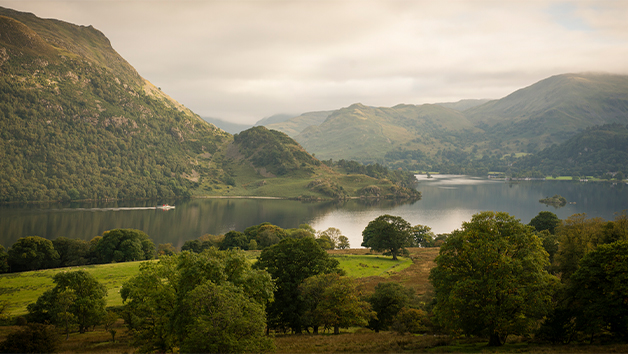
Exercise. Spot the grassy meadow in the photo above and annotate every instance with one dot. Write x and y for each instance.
(21, 289)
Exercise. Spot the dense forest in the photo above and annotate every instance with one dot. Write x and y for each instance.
(596, 151)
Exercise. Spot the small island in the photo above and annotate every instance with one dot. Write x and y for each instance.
(556, 201)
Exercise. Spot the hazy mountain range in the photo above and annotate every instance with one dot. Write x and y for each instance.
(526, 121)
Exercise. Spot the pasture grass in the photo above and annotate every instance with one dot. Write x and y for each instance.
(21, 289)
(360, 266)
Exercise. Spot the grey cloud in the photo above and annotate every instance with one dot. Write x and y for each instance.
(243, 60)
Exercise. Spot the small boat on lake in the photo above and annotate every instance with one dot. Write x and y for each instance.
(165, 207)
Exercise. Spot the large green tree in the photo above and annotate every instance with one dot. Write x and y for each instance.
(211, 301)
(577, 236)
(388, 233)
(490, 278)
(289, 263)
(545, 220)
(332, 301)
(72, 252)
(77, 293)
(234, 239)
(387, 300)
(31, 253)
(598, 290)
(124, 245)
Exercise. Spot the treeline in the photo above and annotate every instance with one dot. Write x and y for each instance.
(401, 178)
(556, 280)
(125, 245)
(34, 252)
(594, 152)
(264, 235)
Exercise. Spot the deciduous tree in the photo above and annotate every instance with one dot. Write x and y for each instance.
(31, 253)
(387, 300)
(490, 278)
(422, 236)
(76, 293)
(289, 263)
(599, 289)
(545, 220)
(124, 245)
(189, 300)
(387, 233)
(332, 301)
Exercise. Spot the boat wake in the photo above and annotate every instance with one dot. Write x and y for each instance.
(118, 209)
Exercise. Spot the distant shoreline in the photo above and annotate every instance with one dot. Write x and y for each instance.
(232, 197)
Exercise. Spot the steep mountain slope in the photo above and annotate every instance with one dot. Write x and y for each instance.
(554, 109)
(78, 122)
(296, 125)
(366, 134)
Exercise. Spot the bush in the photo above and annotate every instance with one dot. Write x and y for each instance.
(33, 338)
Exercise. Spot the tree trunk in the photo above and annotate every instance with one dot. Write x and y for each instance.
(394, 254)
(495, 340)
(336, 330)
(315, 329)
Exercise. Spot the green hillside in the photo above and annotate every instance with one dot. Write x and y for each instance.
(262, 162)
(594, 152)
(366, 134)
(78, 122)
(469, 136)
(554, 109)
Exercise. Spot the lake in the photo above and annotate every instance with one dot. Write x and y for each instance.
(447, 202)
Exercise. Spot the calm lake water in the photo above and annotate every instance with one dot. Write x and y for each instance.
(447, 202)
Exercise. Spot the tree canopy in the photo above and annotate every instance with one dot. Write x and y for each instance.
(77, 296)
(490, 278)
(289, 263)
(31, 253)
(210, 301)
(387, 300)
(387, 233)
(124, 245)
(599, 289)
(332, 301)
(545, 220)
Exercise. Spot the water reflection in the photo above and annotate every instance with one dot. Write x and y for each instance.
(447, 202)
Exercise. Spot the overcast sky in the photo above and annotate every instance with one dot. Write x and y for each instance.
(245, 60)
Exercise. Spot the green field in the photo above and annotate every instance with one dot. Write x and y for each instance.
(368, 266)
(21, 289)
